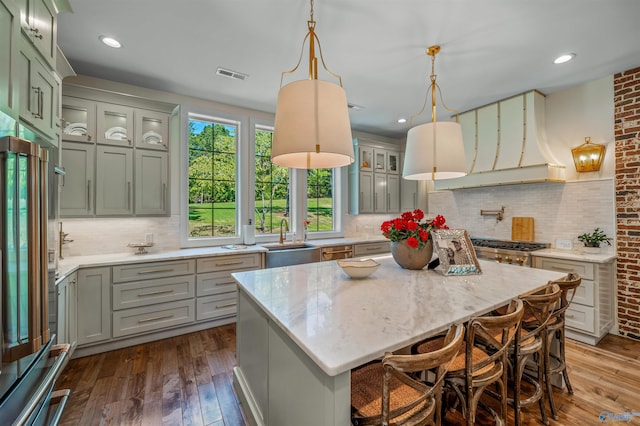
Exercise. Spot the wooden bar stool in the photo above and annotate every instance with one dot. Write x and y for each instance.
(387, 392)
(484, 361)
(529, 347)
(556, 363)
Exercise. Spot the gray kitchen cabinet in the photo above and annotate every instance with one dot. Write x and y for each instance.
(67, 326)
(77, 191)
(114, 181)
(78, 119)
(37, 92)
(132, 303)
(114, 124)
(94, 305)
(151, 182)
(39, 24)
(408, 194)
(151, 129)
(374, 179)
(9, 37)
(366, 192)
(591, 313)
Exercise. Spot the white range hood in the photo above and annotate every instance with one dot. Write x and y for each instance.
(505, 144)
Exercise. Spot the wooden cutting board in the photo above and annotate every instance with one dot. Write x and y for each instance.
(522, 229)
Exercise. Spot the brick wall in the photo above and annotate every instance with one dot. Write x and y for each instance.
(627, 186)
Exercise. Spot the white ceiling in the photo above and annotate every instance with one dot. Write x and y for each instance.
(491, 49)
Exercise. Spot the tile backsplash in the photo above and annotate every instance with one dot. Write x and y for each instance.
(561, 211)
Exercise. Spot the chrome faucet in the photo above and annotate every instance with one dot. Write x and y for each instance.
(286, 229)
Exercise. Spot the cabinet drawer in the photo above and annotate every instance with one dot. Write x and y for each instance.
(229, 263)
(215, 283)
(585, 293)
(371, 248)
(146, 271)
(585, 270)
(150, 318)
(218, 306)
(142, 293)
(581, 318)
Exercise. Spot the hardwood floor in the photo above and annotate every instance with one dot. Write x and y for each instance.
(187, 380)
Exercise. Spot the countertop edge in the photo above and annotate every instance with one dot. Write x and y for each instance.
(577, 256)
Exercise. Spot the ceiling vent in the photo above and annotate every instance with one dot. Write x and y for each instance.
(231, 74)
(355, 107)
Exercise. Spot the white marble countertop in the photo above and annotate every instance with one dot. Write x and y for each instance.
(604, 257)
(70, 264)
(341, 323)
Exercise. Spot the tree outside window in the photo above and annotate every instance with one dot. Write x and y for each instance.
(320, 200)
(271, 186)
(212, 178)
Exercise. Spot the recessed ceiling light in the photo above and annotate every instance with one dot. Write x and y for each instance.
(110, 41)
(402, 120)
(564, 58)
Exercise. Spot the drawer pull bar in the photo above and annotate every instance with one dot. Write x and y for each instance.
(338, 251)
(226, 305)
(372, 248)
(558, 268)
(155, 271)
(153, 293)
(140, 321)
(229, 263)
(569, 315)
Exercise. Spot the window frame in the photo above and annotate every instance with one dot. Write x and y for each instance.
(245, 183)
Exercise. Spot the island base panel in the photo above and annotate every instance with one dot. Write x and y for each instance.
(298, 391)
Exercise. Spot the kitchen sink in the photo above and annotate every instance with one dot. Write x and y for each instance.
(290, 254)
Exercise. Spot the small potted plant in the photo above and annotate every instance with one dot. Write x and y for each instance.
(593, 240)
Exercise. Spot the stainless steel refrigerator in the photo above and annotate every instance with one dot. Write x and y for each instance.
(29, 363)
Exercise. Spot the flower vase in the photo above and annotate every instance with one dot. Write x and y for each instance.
(409, 257)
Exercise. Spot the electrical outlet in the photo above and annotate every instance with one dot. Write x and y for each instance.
(564, 244)
(148, 238)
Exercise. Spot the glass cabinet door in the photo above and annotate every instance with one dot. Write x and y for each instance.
(393, 162)
(380, 161)
(152, 129)
(78, 119)
(366, 159)
(115, 125)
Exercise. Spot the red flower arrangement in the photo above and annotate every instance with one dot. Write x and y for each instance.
(409, 227)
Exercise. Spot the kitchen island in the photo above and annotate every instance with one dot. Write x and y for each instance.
(301, 329)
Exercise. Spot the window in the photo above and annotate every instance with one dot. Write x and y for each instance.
(320, 202)
(212, 178)
(271, 186)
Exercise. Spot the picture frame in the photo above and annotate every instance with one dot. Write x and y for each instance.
(455, 252)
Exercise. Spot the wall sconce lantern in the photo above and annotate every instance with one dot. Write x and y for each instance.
(588, 156)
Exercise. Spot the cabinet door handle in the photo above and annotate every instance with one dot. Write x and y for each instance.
(164, 196)
(36, 32)
(41, 104)
(414, 200)
(226, 305)
(140, 321)
(128, 195)
(153, 293)
(37, 91)
(89, 195)
(89, 138)
(155, 271)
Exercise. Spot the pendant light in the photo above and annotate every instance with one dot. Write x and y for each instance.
(312, 128)
(434, 150)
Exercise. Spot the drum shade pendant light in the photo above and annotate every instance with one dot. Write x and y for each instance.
(312, 128)
(434, 150)
(588, 156)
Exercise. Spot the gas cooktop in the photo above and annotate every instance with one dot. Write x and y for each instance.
(508, 244)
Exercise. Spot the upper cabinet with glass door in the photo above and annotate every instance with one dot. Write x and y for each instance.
(115, 124)
(151, 130)
(393, 162)
(78, 119)
(366, 159)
